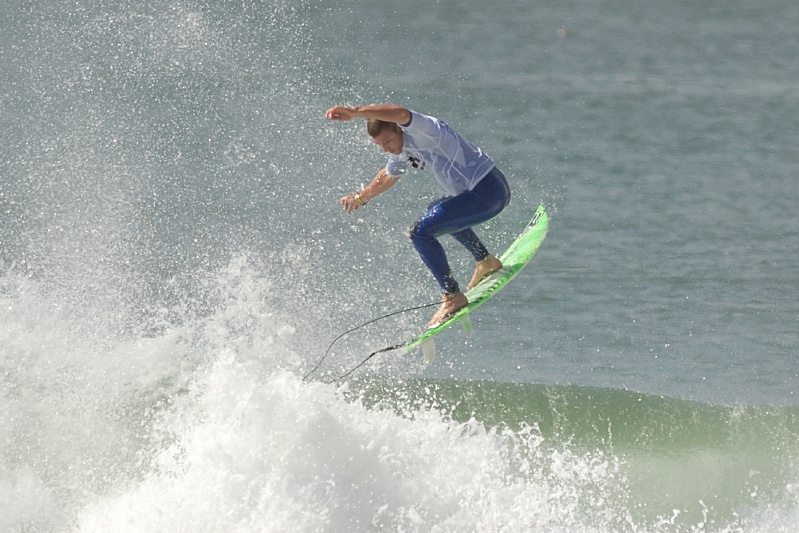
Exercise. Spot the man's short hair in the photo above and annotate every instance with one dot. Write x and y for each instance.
(375, 127)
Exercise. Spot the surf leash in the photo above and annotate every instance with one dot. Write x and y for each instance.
(383, 350)
(359, 365)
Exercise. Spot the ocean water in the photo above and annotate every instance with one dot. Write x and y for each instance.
(173, 262)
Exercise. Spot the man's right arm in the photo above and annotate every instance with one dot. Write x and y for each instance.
(384, 112)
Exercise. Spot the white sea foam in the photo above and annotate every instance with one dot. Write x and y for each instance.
(207, 426)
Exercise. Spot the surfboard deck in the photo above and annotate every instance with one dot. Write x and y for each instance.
(514, 259)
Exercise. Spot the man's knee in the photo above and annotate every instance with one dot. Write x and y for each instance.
(419, 232)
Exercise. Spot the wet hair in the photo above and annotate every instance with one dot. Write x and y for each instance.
(375, 127)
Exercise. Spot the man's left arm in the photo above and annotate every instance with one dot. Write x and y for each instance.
(380, 184)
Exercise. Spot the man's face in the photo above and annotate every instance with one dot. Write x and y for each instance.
(390, 140)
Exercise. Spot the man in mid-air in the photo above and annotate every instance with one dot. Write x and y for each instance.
(477, 190)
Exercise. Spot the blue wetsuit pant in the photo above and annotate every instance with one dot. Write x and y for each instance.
(455, 215)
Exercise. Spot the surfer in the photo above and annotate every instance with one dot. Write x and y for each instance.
(476, 189)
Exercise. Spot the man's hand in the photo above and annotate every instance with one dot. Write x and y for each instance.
(340, 113)
(380, 184)
(350, 202)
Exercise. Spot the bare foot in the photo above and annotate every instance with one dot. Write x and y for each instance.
(484, 268)
(451, 304)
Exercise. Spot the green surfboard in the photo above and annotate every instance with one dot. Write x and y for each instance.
(515, 258)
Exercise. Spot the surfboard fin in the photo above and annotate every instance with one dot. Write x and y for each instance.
(466, 322)
(428, 350)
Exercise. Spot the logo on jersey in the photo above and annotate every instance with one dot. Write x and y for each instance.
(416, 162)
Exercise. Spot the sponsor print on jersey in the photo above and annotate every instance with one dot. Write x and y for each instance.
(416, 162)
